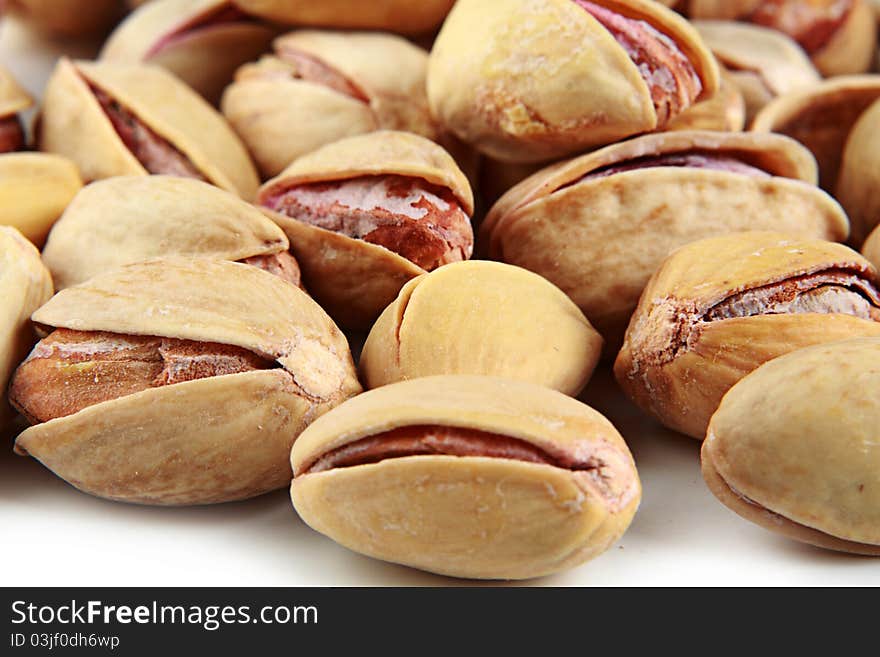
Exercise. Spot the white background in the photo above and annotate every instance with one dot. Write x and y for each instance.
(51, 534)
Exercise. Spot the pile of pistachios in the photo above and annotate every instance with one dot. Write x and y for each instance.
(489, 199)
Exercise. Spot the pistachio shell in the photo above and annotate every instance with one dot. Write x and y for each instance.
(851, 49)
(871, 250)
(528, 82)
(74, 124)
(482, 318)
(123, 220)
(208, 440)
(282, 118)
(34, 190)
(792, 446)
(353, 279)
(68, 17)
(765, 63)
(723, 112)
(600, 240)
(394, 15)
(677, 363)
(25, 285)
(859, 179)
(471, 516)
(821, 118)
(13, 98)
(183, 37)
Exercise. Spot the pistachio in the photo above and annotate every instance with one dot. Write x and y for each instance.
(394, 15)
(792, 449)
(68, 17)
(178, 381)
(13, 99)
(467, 476)
(723, 112)
(201, 41)
(320, 87)
(35, 188)
(24, 286)
(130, 219)
(717, 309)
(821, 117)
(599, 225)
(859, 177)
(366, 214)
(761, 62)
(530, 82)
(131, 119)
(871, 249)
(839, 35)
(459, 319)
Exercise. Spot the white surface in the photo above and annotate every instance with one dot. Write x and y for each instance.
(54, 535)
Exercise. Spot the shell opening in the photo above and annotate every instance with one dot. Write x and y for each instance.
(222, 15)
(292, 62)
(11, 135)
(695, 159)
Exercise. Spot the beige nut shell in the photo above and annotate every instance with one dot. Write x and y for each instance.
(489, 518)
(859, 180)
(792, 446)
(128, 219)
(482, 318)
(600, 240)
(352, 279)
(533, 81)
(73, 123)
(209, 440)
(821, 118)
(871, 249)
(203, 56)
(723, 112)
(25, 285)
(35, 188)
(680, 378)
(13, 97)
(402, 16)
(282, 118)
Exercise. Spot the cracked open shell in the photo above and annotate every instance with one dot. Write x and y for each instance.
(467, 476)
(202, 42)
(128, 219)
(25, 285)
(215, 439)
(534, 81)
(322, 86)
(171, 128)
(793, 447)
(761, 62)
(719, 308)
(402, 16)
(354, 280)
(13, 97)
(482, 318)
(599, 225)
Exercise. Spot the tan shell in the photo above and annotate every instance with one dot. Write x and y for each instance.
(68, 17)
(394, 15)
(35, 188)
(821, 118)
(25, 285)
(73, 123)
(204, 56)
(763, 63)
(680, 378)
(13, 97)
(209, 440)
(354, 280)
(793, 446)
(858, 185)
(723, 112)
(129, 219)
(482, 318)
(529, 82)
(282, 118)
(600, 240)
(871, 249)
(479, 517)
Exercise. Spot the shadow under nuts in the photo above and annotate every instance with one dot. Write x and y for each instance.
(599, 225)
(366, 214)
(178, 381)
(793, 446)
(482, 318)
(533, 81)
(467, 476)
(719, 308)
